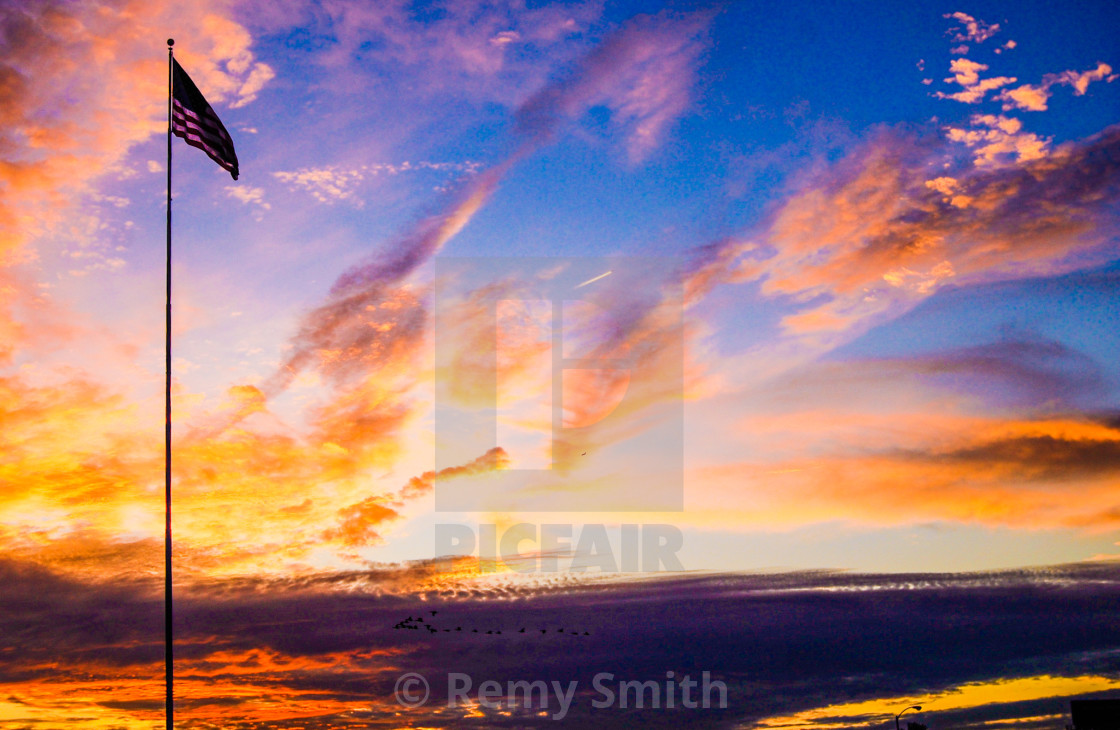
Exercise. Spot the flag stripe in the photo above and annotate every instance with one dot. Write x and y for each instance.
(194, 120)
(188, 127)
(185, 127)
(186, 117)
(189, 116)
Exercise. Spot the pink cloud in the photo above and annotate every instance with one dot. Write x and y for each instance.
(79, 87)
(1033, 98)
(362, 523)
(1026, 97)
(876, 233)
(997, 139)
(971, 30)
(643, 70)
(967, 74)
(644, 73)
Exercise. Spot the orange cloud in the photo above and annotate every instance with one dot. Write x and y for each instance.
(82, 84)
(360, 524)
(967, 74)
(1035, 98)
(96, 505)
(999, 138)
(905, 466)
(644, 70)
(251, 492)
(876, 233)
(223, 686)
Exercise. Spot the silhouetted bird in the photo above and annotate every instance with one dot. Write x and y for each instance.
(522, 631)
(433, 613)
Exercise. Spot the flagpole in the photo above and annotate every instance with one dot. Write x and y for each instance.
(167, 631)
(191, 117)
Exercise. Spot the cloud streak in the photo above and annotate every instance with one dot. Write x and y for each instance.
(644, 71)
(359, 524)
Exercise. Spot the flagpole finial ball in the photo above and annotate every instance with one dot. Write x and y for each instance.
(170, 42)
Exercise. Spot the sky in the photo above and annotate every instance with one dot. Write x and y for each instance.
(826, 297)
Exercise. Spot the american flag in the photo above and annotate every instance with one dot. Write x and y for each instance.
(193, 119)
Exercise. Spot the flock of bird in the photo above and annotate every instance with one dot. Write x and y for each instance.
(417, 623)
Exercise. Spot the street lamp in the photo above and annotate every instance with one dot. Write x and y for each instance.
(911, 707)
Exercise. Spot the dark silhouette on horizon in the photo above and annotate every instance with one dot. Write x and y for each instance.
(416, 623)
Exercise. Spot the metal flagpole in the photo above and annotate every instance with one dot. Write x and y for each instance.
(167, 640)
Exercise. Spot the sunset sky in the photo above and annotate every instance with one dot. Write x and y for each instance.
(859, 263)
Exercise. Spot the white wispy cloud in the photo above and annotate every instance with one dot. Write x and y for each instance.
(250, 196)
(334, 183)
